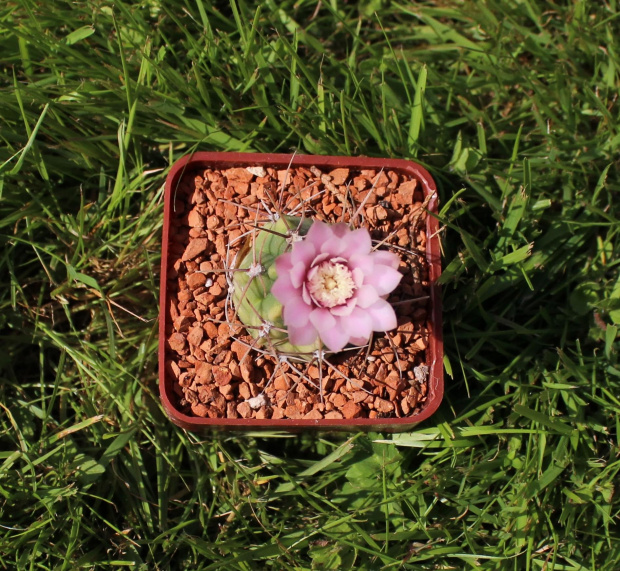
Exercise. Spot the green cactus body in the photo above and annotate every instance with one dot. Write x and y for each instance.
(252, 296)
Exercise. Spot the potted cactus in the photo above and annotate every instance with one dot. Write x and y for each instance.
(299, 291)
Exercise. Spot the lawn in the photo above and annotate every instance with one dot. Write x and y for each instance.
(513, 108)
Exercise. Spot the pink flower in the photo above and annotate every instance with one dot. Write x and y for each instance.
(333, 286)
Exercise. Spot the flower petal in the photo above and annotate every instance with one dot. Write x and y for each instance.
(303, 251)
(305, 294)
(382, 315)
(366, 296)
(362, 262)
(335, 338)
(284, 263)
(334, 246)
(357, 242)
(322, 319)
(358, 324)
(295, 312)
(318, 259)
(358, 277)
(340, 229)
(283, 290)
(318, 233)
(298, 273)
(344, 309)
(302, 335)
(386, 258)
(384, 279)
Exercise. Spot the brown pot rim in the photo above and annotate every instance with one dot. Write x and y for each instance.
(435, 347)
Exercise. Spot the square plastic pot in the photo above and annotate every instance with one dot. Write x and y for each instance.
(434, 351)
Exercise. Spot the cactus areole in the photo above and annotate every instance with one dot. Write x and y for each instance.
(301, 286)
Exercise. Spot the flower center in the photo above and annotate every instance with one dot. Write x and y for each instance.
(330, 284)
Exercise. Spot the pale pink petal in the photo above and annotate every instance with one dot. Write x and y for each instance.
(334, 246)
(358, 324)
(283, 290)
(340, 229)
(322, 319)
(382, 315)
(302, 335)
(335, 338)
(298, 273)
(305, 294)
(303, 251)
(318, 233)
(384, 279)
(357, 242)
(360, 341)
(358, 277)
(362, 263)
(320, 258)
(295, 312)
(386, 258)
(366, 296)
(344, 309)
(284, 263)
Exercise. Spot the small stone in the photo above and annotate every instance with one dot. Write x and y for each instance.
(210, 329)
(199, 409)
(313, 372)
(281, 383)
(222, 376)
(246, 370)
(258, 401)
(314, 414)
(195, 335)
(195, 219)
(244, 391)
(339, 400)
(177, 342)
(239, 349)
(262, 413)
(333, 415)
(277, 413)
(239, 174)
(203, 371)
(360, 396)
(381, 373)
(227, 391)
(213, 222)
(198, 197)
(351, 410)
(256, 171)
(292, 412)
(406, 330)
(182, 323)
(383, 406)
(404, 405)
(339, 176)
(244, 409)
(196, 247)
(215, 290)
(231, 410)
(380, 213)
(393, 380)
(196, 280)
(421, 373)
(404, 193)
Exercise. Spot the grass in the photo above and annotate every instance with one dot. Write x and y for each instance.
(512, 106)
